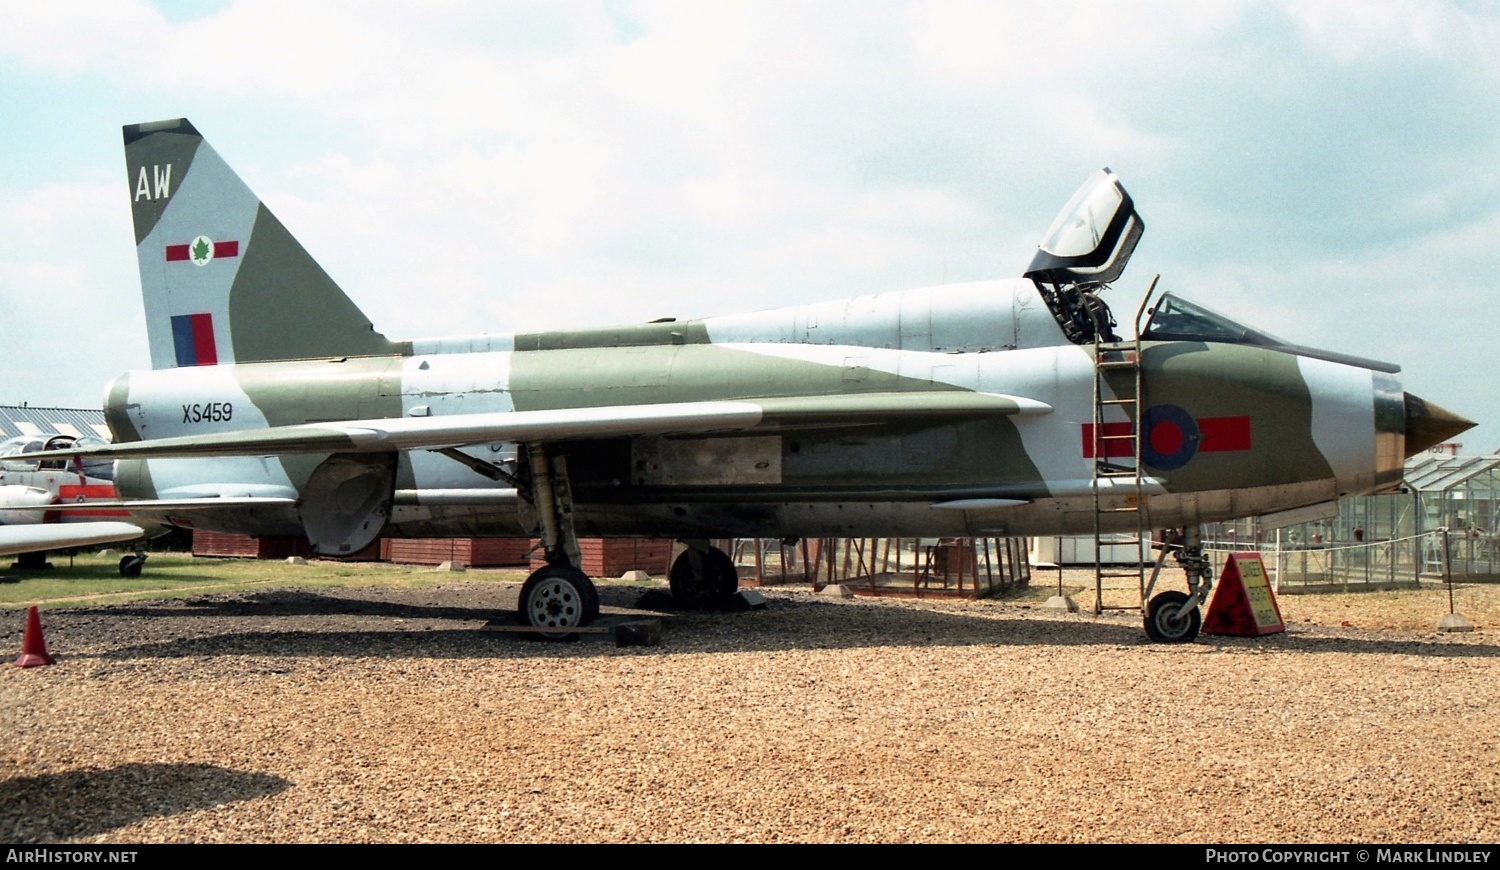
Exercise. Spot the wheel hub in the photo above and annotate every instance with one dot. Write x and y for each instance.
(556, 604)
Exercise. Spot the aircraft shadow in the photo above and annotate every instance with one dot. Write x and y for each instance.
(803, 623)
(82, 803)
(291, 602)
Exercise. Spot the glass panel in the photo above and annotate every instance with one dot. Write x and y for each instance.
(1176, 319)
(13, 447)
(1081, 224)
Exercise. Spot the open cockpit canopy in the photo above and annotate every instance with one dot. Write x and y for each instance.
(1092, 238)
(1085, 249)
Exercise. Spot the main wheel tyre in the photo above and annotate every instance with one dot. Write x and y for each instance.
(702, 580)
(590, 594)
(1168, 621)
(131, 566)
(558, 597)
(727, 576)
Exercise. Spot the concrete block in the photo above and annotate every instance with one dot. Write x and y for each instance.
(1061, 603)
(1454, 622)
(638, 632)
(753, 599)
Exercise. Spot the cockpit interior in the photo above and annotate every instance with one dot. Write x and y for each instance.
(13, 453)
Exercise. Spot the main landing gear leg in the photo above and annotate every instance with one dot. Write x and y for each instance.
(1173, 617)
(703, 577)
(559, 596)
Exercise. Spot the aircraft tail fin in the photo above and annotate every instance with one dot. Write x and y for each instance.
(223, 279)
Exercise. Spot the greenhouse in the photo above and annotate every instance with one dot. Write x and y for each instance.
(1447, 503)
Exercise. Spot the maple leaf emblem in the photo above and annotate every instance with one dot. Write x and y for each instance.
(202, 250)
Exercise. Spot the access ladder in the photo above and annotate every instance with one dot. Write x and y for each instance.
(1116, 449)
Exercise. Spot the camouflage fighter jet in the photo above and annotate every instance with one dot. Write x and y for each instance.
(1006, 407)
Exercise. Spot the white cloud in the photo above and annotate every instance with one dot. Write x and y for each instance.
(1352, 32)
(85, 35)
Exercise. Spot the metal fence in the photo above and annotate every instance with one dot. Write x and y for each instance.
(1412, 559)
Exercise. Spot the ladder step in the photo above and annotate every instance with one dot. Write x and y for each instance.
(1119, 478)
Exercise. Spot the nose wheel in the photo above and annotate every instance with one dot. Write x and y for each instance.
(1172, 616)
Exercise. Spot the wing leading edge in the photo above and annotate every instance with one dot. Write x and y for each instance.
(567, 424)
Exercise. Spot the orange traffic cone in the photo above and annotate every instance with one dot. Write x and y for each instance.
(33, 646)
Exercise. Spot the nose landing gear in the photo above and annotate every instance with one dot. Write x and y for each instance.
(1169, 618)
(1173, 616)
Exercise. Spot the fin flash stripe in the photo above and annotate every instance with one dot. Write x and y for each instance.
(193, 340)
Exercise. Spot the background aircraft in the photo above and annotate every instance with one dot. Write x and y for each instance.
(32, 489)
(1005, 407)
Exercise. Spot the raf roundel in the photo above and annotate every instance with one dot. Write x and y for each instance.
(1171, 437)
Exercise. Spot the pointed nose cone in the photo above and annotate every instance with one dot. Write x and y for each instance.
(1428, 424)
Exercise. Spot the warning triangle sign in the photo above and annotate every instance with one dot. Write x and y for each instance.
(1243, 604)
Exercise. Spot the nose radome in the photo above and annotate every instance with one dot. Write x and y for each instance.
(1428, 424)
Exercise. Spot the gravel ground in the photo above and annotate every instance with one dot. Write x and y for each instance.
(386, 714)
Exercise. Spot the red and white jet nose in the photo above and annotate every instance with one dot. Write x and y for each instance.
(1428, 424)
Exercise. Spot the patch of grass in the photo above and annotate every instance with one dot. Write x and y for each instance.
(95, 579)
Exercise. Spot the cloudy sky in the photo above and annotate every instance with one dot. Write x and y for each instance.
(1329, 171)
